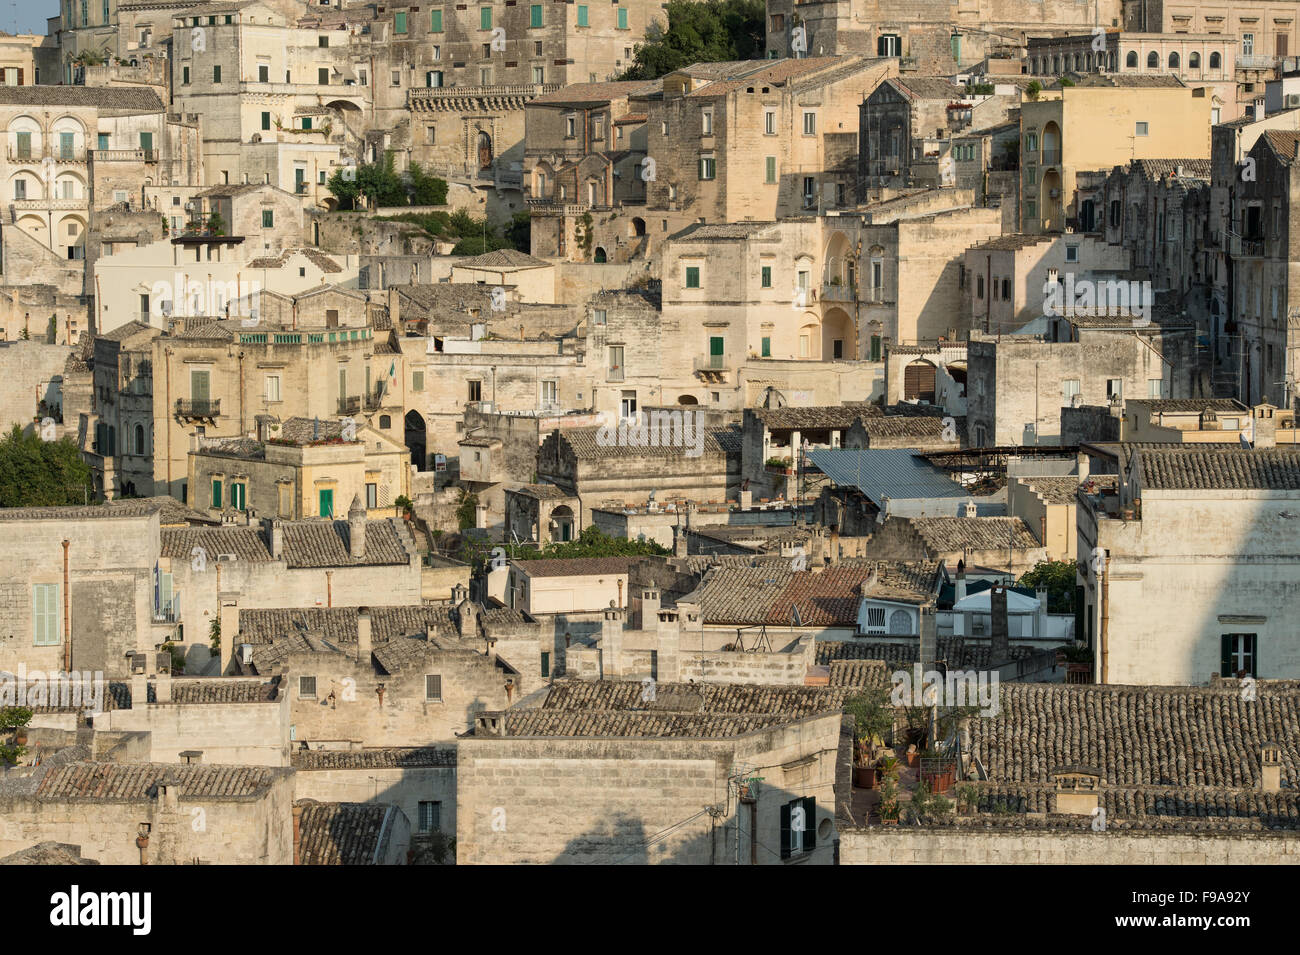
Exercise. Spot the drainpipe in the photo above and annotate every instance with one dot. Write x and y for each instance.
(241, 392)
(329, 588)
(620, 593)
(67, 628)
(167, 362)
(142, 843)
(297, 835)
(1105, 621)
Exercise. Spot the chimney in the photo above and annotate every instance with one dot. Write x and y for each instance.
(162, 687)
(1270, 767)
(297, 835)
(357, 528)
(228, 620)
(679, 541)
(611, 643)
(1078, 792)
(969, 509)
(746, 499)
(277, 540)
(363, 635)
(1265, 424)
(650, 599)
(929, 636)
(999, 649)
(959, 588)
(139, 690)
(191, 756)
(669, 642)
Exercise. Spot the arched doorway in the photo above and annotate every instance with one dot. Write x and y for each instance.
(1051, 202)
(600, 256)
(918, 381)
(839, 338)
(562, 523)
(417, 440)
(484, 150)
(638, 226)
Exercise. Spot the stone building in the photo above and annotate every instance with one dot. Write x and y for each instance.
(1095, 124)
(1103, 361)
(757, 140)
(997, 542)
(1201, 535)
(300, 468)
(619, 757)
(1215, 793)
(131, 814)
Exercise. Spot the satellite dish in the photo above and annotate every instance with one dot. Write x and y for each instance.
(794, 615)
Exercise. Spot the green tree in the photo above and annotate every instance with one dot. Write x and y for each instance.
(707, 32)
(36, 473)
(1057, 577)
(13, 718)
(1033, 90)
(216, 224)
(426, 190)
(520, 231)
(467, 511)
(592, 542)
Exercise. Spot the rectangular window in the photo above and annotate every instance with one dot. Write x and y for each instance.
(1239, 654)
(322, 77)
(430, 816)
(769, 122)
(706, 122)
(1070, 388)
(692, 276)
(435, 21)
(1248, 44)
(397, 77)
(1155, 387)
(417, 381)
(1031, 209)
(322, 41)
(622, 18)
(216, 492)
(475, 390)
(550, 393)
(809, 123)
(708, 167)
(216, 74)
(307, 687)
(582, 15)
(266, 120)
(770, 170)
(767, 276)
(433, 687)
(615, 359)
(485, 18)
(272, 387)
(45, 615)
(767, 347)
(372, 496)
(546, 664)
(1140, 130)
(1114, 387)
(598, 316)
(238, 499)
(185, 76)
(268, 219)
(535, 16)
(798, 827)
(399, 23)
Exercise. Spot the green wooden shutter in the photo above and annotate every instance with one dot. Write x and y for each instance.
(535, 16)
(810, 823)
(546, 664)
(146, 141)
(785, 831)
(216, 493)
(45, 610)
(435, 22)
(1225, 654)
(164, 591)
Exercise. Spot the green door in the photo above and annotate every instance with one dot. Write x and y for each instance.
(66, 141)
(146, 141)
(327, 503)
(715, 352)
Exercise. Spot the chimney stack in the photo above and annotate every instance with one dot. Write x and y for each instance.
(297, 835)
(228, 620)
(277, 540)
(1264, 425)
(929, 636)
(363, 635)
(357, 529)
(1000, 649)
(650, 600)
(1270, 767)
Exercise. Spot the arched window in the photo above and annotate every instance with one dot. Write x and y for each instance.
(385, 421)
(900, 623)
(139, 439)
(1193, 61)
(1153, 60)
(1215, 60)
(1173, 61)
(1131, 61)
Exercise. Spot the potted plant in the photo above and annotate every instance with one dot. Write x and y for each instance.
(967, 799)
(937, 770)
(888, 809)
(912, 755)
(13, 723)
(873, 719)
(406, 506)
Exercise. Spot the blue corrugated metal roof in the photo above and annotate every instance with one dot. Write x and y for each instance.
(895, 473)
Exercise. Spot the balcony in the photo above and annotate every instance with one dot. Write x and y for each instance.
(556, 208)
(838, 293)
(198, 407)
(712, 367)
(1244, 248)
(1051, 157)
(124, 155)
(615, 373)
(374, 400)
(1255, 61)
(169, 611)
(44, 205)
(350, 405)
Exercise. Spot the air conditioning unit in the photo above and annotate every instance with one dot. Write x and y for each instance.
(229, 557)
(1292, 100)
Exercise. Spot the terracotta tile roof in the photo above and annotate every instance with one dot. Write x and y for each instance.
(563, 723)
(585, 444)
(1062, 490)
(221, 690)
(383, 758)
(1156, 168)
(324, 543)
(246, 543)
(342, 833)
(128, 99)
(716, 699)
(1228, 469)
(575, 567)
(860, 673)
(958, 653)
(816, 418)
(949, 534)
(338, 625)
(123, 509)
(1283, 142)
(778, 73)
(597, 92)
(48, 853)
(1228, 406)
(502, 259)
(542, 492)
(139, 781)
(1167, 736)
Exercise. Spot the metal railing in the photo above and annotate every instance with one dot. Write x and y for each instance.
(350, 405)
(711, 363)
(1239, 245)
(198, 407)
(170, 611)
(1051, 157)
